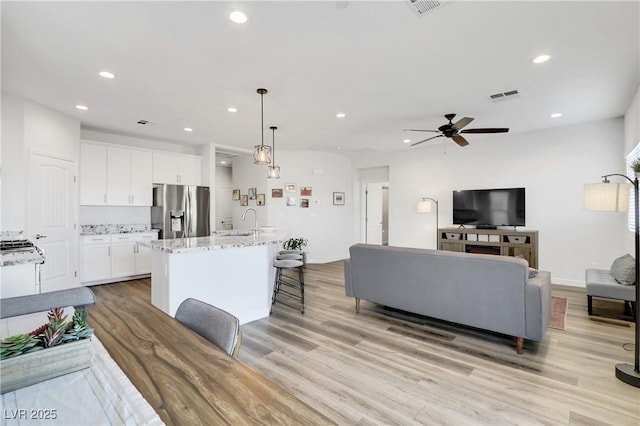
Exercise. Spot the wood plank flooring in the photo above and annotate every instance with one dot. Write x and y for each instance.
(384, 366)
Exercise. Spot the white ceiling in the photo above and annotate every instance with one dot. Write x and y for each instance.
(181, 64)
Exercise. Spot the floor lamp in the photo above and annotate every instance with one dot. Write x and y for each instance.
(424, 206)
(607, 196)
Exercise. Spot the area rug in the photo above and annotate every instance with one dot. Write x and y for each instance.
(558, 313)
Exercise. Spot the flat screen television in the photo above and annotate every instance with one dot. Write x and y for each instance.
(489, 208)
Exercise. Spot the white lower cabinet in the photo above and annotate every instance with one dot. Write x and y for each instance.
(110, 258)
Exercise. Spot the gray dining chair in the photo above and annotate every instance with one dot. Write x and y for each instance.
(214, 324)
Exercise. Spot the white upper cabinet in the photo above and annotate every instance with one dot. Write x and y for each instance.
(180, 169)
(93, 174)
(115, 176)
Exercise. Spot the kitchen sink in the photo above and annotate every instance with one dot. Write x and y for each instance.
(237, 234)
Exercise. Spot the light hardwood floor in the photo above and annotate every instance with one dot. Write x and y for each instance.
(388, 367)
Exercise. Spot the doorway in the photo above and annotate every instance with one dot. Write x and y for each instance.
(377, 213)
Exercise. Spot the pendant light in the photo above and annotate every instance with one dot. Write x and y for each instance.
(274, 171)
(262, 152)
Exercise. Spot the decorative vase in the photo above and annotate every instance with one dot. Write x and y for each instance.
(35, 367)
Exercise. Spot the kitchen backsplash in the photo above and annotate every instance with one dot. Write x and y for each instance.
(112, 215)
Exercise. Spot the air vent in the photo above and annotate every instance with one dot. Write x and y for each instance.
(147, 123)
(503, 96)
(424, 6)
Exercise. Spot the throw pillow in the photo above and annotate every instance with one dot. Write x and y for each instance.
(533, 273)
(623, 269)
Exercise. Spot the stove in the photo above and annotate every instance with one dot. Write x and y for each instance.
(9, 246)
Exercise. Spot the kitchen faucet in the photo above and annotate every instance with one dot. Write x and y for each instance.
(255, 216)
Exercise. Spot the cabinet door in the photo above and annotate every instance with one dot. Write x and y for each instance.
(190, 170)
(93, 174)
(143, 260)
(118, 176)
(96, 262)
(123, 259)
(141, 178)
(165, 168)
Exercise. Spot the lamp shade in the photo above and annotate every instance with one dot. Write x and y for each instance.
(273, 172)
(262, 155)
(424, 206)
(608, 197)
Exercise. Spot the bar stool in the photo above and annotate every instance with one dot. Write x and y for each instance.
(286, 284)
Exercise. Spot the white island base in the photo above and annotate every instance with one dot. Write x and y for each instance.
(237, 279)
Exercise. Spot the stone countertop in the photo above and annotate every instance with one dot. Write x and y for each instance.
(114, 229)
(219, 241)
(20, 258)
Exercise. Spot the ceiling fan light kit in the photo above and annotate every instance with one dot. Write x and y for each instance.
(452, 130)
(262, 153)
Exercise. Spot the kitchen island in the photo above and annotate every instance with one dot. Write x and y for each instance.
(233, 271)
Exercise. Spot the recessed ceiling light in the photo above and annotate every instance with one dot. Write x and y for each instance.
(556, 115)
(238, 17)
(188, 129)
(223, 162)
(107, 74)
(82, 107)
(232, 109)
(341, 115)
(406, 140)
(540, 59)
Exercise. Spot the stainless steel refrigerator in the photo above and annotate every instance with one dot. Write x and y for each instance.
(180, 211)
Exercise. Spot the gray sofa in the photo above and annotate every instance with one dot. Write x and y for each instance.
(485, 291)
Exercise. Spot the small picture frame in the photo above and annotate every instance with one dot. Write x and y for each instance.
(305, 191)
(304, 203)
(244, 200)
(260, 200)
(290, 187)
(236, 194)
(252, 193)
(291, 201)
(276, 193)
(338, 198)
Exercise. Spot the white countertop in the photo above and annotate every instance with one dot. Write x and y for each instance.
(223, 240)
(20, 258)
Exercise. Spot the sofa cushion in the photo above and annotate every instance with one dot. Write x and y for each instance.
(623, 269)
(533, 272)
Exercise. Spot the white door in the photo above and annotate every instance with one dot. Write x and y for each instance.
(374, 213)
(52, 197)
(224, 212)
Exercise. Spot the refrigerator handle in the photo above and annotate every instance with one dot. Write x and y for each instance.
(187, 216)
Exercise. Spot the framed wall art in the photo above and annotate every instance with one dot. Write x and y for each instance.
(252, 193)
(244, 200)
(260, 200)
(236, 194)
(338, 198)
(304, 203)
(276, 193)
(291, 201)
(305, 191)
(290, 187)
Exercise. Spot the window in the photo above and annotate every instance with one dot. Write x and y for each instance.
(631, 157)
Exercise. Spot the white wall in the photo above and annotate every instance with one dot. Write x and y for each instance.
(28, 127)
(327, 227)
(552, 165)
(631, 139)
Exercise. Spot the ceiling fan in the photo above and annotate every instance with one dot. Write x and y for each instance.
(453, 130)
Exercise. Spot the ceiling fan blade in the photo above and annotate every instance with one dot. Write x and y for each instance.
(487, 130)
(424, 140)
(419, 130)
(462, 122)
(459, 140)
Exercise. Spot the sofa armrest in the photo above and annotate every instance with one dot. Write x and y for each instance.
(538, 305)
(348, 282)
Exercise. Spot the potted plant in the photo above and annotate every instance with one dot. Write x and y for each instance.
(296, 244)
(57, 347)
(635, 166)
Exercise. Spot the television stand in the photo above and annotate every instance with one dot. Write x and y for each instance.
(486, 227)
(501, 242)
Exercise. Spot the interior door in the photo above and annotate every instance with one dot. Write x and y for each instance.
(374, 213)
(52, 219)
(224, 208)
